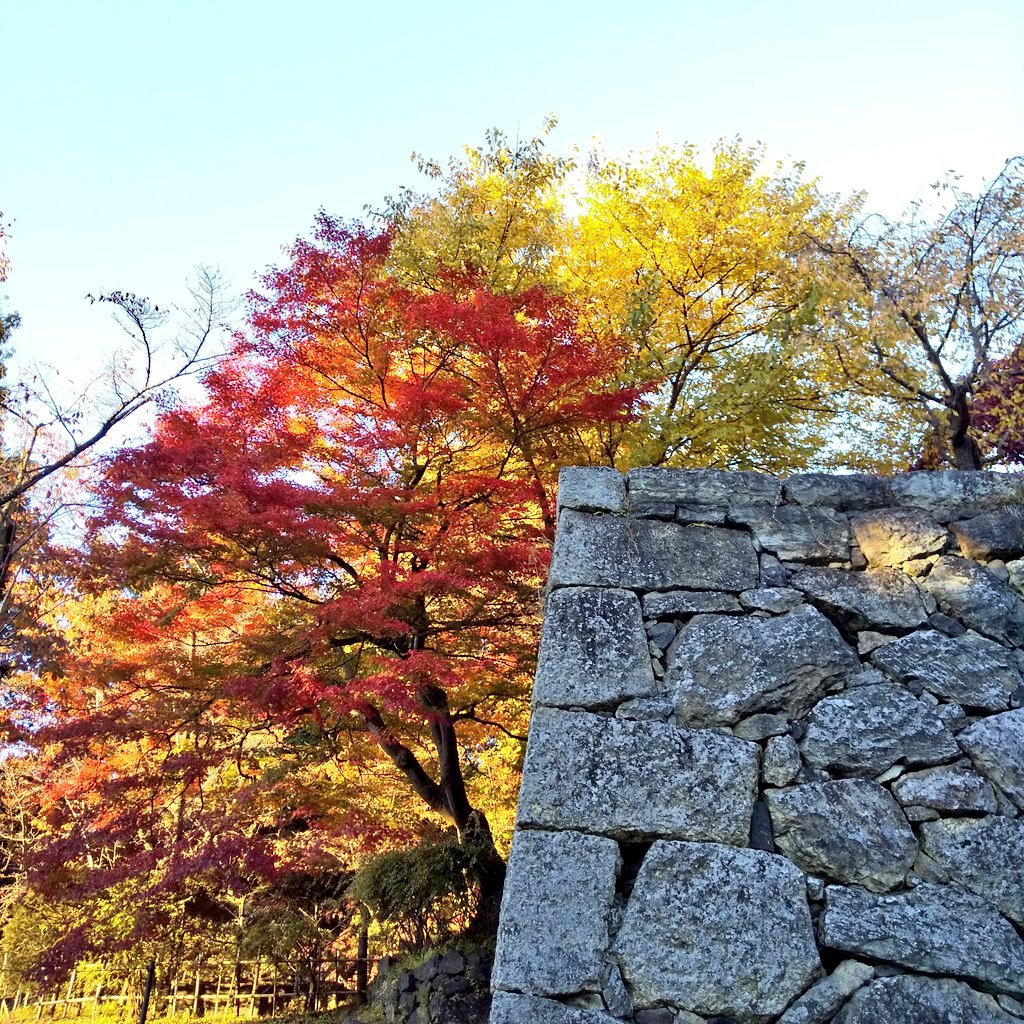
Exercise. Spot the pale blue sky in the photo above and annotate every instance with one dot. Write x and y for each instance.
(141, 138)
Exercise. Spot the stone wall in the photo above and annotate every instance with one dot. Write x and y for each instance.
(776, 762)
(450, 987)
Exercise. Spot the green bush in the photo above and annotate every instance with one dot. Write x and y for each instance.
(424, 895)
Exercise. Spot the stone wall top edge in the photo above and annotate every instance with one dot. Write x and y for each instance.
(944, 494)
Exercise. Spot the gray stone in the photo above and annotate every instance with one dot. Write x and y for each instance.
(705, 515)
(866, 730)
(883, 600)
(616, 998)
(636, 780)
(513, 1008)
(717, 930)
(647, 709)
(558, 895)
(591, 489)
(868, 641)
(722, 668)
(985, 855)
(996, 746)
(1011, 1005)
(980, 600)
(955, 494)
(992, 534)
(892, 536)
(953, 715)
(846, 492)
(946, 624)
(646, 554)
(937, 929)
(819, 1003)
(794, 533)
(661, 634)
(1016, 571)
(655, 510)
(773, 572)
(851, 831)
(781, 761)
(760, 727)
(951, 788)
(998, 569)
(771, 599)
(688, 602)
(696, 488)
(968, 669)
(865, 677)
(593, 651)
(905, 999)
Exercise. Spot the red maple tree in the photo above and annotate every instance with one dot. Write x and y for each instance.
(338, 551)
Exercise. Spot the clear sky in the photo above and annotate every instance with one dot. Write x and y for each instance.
(141, 138)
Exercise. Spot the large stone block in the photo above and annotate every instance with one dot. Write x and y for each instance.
(955, 494)
(558, 896)
(593, 651)
(851, 831)
(953, 789)
(591, 489)
(636, 779)
(967, 669)
(848, 492)
(985, 855)
(868, 729)
(996, 746)
(714, 488)
(645, 554)
(795, 533)
(722, 668)
(877, 599)
(935, 929)
(892, 536)
(717, 931)
(992, 534)
(905, 999)
(979, 599)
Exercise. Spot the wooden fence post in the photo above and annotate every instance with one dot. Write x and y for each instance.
(150, 977)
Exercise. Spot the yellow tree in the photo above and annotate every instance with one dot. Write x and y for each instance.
(707, 270)
(497, 214)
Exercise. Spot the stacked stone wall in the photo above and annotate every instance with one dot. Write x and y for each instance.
(775, 770)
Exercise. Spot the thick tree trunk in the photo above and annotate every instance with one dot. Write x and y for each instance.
(965, 451)
(448, 796)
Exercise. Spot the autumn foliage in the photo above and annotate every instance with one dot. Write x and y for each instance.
(336, 556)
(299, 630)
